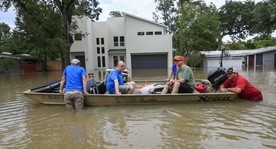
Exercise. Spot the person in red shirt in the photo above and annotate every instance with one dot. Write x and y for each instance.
(240, 85)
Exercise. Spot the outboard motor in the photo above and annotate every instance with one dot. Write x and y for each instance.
(217, 77)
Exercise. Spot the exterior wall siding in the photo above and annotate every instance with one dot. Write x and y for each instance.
(269, 59)
(250, 58)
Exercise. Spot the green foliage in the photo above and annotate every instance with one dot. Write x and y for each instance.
(265, 18)
(237, 19)
(261, 43)
(239, 45)
(165, 13)
(4, 36)
(252, 44)
(115, 14)
(195, 59)
(197, 28)
(44, 27)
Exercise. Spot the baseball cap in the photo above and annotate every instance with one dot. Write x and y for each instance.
(178, 58)
(75, 61)
(232, 70)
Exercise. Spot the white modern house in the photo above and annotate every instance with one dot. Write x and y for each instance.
(242, 58)
(140, 43)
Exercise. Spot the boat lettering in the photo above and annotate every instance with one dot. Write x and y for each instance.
(213, 98)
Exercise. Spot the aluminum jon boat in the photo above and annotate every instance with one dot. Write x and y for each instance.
(205, 91)
(152, 96)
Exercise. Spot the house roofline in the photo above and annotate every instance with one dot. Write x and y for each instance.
(125, 14)
(240, 52)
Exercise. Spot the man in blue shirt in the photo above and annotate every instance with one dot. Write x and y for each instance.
(115, 83)
(75, 87)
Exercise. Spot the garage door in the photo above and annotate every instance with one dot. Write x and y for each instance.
(226, 63)
(149, 61)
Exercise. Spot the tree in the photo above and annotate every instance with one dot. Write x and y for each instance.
(236, 19)
(166, 9)
(115, 14)
(50, 21)
(265, 18)
(4, 36)
(197, 28)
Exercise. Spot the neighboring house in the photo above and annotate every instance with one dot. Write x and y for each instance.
(140, 43)
(239, 58)
(11, 63)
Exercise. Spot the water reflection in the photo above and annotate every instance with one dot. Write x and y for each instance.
(242, 124)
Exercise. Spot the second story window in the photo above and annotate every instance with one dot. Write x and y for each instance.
(102, 40)
(140, 33)
(149, 33)
(122, 41)
(158, 33)
(97, 41)
(119, 41)
(116, 41)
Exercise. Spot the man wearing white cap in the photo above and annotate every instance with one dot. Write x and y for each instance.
(75, 78)
(240, 85)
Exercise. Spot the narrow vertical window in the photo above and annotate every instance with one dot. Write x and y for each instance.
(115, 60)
(102, 40)
(98, 50)
(122, 41)
(99, 61)
(103, 51)
(116, 42)
(103, 61)
(97, 41)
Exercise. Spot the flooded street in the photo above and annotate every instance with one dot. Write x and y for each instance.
(239, 124)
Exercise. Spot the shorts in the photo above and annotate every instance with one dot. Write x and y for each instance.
(185, 88)
(124, 88)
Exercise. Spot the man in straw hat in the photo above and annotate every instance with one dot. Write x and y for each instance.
(183, 82)
(75, 78)
(240, 85)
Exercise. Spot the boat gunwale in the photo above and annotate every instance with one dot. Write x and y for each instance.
(130, 95)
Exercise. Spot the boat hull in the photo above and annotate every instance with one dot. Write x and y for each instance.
(132, 99)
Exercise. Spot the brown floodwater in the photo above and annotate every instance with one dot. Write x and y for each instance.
(241, 124)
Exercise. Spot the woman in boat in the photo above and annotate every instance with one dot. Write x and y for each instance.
(75, 78)
(240, 85)
(184, 81)
(115, 82)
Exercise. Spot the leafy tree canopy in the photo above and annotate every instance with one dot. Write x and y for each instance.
(48, 25)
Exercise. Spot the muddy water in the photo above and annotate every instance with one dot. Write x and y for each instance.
(242, 124)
